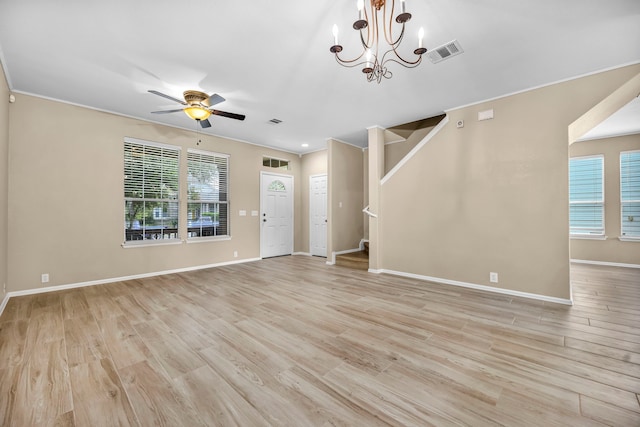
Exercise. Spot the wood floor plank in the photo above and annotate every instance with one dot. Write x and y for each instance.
(216, 402)
(292, 341)
(175, 356)
(257, 389)
(123, 342)
(608, 414)
(74, 304)
(13, 335)
(84, 340)
(42, 387)
(603, 350)
(8, 382)
(154, 398)
(99, 397)
(17, 308)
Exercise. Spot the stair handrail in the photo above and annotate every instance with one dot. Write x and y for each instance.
(368, 212)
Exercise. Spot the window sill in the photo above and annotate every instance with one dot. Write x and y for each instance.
(147, 243)
(588, 237)
(629, 239)
(207, 239)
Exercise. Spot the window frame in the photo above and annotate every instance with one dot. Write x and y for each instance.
(583, 232)
(161, 238)
(225, 181)
(623, 202)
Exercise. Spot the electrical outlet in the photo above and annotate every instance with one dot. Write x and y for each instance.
(235, 254)
(45, 278)
(493, 277)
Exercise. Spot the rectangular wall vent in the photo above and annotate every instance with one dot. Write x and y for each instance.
(275, 121)
(446, 51)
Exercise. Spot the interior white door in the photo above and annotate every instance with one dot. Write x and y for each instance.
(276, 215)
(318, 215)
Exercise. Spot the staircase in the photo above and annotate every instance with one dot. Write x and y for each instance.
(357, 260)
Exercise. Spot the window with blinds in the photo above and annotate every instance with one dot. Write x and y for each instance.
(207, 194)
(630, 193)
(586, 195)
(151, 191)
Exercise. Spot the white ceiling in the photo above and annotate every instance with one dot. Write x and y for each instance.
(272, 60)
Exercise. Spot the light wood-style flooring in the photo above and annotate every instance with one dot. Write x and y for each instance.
(293, 342)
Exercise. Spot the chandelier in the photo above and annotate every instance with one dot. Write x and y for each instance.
(375, 25)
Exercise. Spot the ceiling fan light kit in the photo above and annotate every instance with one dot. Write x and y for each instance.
(197, 113)
(197, 106)
(379, 13)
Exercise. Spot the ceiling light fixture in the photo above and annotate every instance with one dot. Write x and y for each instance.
(197, 113)
(371, 19)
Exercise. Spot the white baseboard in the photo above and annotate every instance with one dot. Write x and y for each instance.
(4, 303)
(478, 287)
(334, 254)
(605, 263)
(116, 279)
(302, 253)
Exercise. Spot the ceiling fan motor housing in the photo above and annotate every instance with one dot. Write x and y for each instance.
(194, 97)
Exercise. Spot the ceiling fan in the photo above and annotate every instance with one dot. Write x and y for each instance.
(197, 105)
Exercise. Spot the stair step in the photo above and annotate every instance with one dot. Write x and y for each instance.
(358, 260)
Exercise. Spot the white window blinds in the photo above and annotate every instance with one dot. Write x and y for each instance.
(586, 195)
(207, 194)
(151, 190)
(630, 193)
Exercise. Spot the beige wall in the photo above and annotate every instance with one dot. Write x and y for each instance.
(345, 197)
(4, 176)
(493, 196)
(395, 152)
(610, 250)
(311, 164)
(66, 197)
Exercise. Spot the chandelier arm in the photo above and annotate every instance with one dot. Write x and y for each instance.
(370, 31)
(349, 63)
(389, 36)
(405, 64)
(399, 39)
(365, 45)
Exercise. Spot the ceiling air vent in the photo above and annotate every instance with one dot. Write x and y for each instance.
(275, 121)
(446, 51)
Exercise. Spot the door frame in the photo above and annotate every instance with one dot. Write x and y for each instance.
(262, 174)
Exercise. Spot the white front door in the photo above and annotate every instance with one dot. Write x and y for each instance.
(276, 215)
(318, 215)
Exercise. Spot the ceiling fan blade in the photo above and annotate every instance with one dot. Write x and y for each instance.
(229, 115)
(213, 100)
(179, 101)
(205, 123)
(166, 111)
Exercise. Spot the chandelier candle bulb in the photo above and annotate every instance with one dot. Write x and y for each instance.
(420, 37)
(334, 30)
(404, 8)
(360, 8)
